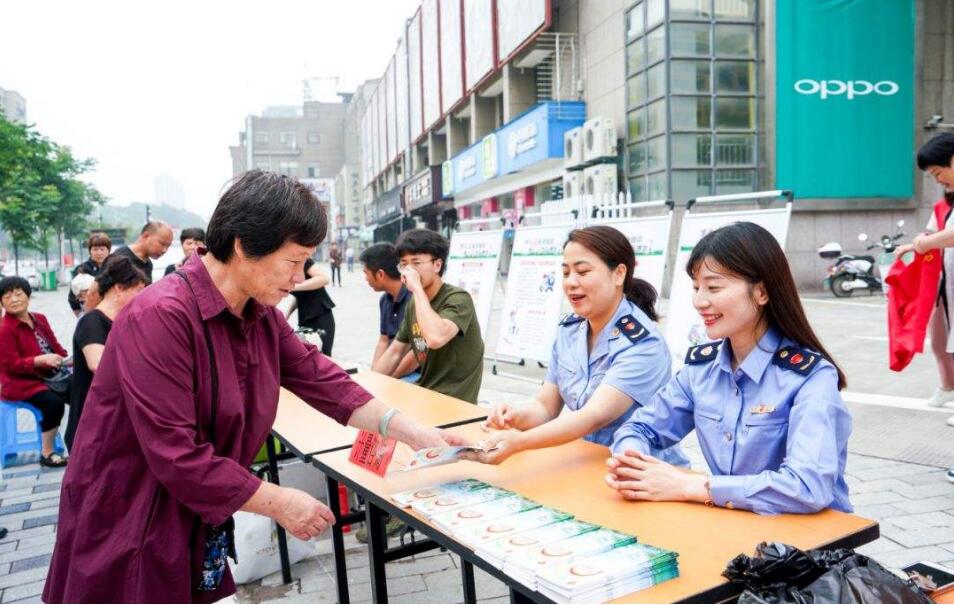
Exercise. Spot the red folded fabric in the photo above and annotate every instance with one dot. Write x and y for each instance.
(912, 294)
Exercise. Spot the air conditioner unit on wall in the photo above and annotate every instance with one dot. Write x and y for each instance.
(600, 181)
(573, 148)
(572, 184)
(599, 139)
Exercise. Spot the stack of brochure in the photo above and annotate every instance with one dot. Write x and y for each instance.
(609, 575)
(525, 569)
(454, 500)
(517, 546)
(480, 534)
(407, 498)
(456, 520)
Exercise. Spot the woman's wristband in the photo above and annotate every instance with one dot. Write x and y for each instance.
(385, 421)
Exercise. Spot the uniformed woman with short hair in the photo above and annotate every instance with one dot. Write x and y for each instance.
(763, 398)
(608, 359)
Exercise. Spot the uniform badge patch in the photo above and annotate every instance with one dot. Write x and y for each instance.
(569, 319)
(631, 329)
(702, 353)
(797, 360)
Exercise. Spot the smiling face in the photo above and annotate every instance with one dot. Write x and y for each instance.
(15, 301)
(591, 287)
(728, 304)
(189, 246)
(943, 175)
(272, 277)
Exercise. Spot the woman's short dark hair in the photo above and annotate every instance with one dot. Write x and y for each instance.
(15, 282)
(938, 151)
(264, 210)
(98, 239)
(424, 241)
(753, 254)
(614, 250)
(381, 257)
(193, 233)
(118, 271)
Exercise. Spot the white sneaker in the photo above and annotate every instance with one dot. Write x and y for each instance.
(941, 397)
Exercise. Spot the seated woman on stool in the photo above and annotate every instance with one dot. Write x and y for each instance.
(763, 398)
(29, 352)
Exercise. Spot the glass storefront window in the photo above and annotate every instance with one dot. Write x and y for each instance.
(636, 56)
(656, 81)
(637, 189)
(636, 122)
(689, 9)
(734, 10)
(655, 45)
(735, 150)
(734, 181)
(656, 153)
(691, 150)
(690, 40)
(655, 12)
(656, 117)
(735, 113)
(637, 89)
(690, 76)
(636, 22)
(656, 186)
(691, 113)
(735, 76)
(735, 41)
(637, 159)
(688, 184)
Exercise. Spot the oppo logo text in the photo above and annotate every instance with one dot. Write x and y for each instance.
(851, 88)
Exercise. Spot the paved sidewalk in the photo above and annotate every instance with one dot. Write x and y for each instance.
(891, 483)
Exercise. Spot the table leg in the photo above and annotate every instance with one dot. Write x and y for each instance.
(377, 544)
(282, 539)
(337, 541)
(467, 580)
(518, 597)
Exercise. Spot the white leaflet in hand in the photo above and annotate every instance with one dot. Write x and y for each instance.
(436, 456)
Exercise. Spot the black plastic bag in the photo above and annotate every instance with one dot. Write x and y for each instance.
(779, 573)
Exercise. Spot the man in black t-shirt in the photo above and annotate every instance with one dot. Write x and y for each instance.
(381, 272)
(153, 241)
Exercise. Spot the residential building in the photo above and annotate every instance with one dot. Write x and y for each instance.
(13, 106)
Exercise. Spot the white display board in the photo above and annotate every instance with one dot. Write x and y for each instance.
(517, 20)
(472, 265)
(649, 237)
(414, 75)
(478, 40)
(531, 311)
(452, 59)
(430, 51)
(684, 327)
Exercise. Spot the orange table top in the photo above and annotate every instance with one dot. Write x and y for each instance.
(305, 430)
(570, 478)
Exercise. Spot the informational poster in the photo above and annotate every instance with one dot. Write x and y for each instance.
(517, 21)
(414, 75)
(684, 327)
(452, 59)
(478, 40)
(430, 53)
(649, 237)
(531, 311)
(472, 265)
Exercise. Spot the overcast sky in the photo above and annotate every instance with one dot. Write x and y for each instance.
(149, 87)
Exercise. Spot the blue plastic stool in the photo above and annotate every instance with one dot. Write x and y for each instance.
(13, 441)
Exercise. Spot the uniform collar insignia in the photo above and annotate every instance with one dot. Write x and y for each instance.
(570, 319)
(800, 361)
(630, 328)
(703, 352)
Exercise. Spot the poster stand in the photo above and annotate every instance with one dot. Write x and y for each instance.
(683, 328)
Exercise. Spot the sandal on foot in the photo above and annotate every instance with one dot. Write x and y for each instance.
(54, 460)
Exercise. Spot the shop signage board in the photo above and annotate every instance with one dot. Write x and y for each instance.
(472, 265)
(684, 327)
(531, 311)
(649, 237)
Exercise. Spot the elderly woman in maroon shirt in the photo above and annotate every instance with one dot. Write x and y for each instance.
(165, 441)
(29, 352)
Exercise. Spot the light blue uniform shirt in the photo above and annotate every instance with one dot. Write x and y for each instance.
(637, 368)
(775, 440)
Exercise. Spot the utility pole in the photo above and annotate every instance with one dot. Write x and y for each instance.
(148, 214)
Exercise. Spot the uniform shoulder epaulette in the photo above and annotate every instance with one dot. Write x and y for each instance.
(570, 318)
(630, 328)
(797, 360)
(702, 353)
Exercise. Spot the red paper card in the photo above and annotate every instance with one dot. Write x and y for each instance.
(373, 453)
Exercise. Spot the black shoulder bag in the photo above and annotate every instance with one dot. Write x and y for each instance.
(220, 541)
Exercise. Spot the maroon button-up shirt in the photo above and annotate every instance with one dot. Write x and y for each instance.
(144, 483)
(19, 378)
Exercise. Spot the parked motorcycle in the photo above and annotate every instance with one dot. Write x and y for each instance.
(850, 272)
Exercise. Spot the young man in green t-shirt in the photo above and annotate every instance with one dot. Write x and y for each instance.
(440, 323)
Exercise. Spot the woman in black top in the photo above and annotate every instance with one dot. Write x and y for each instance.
(119, 282)
(314, 305)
